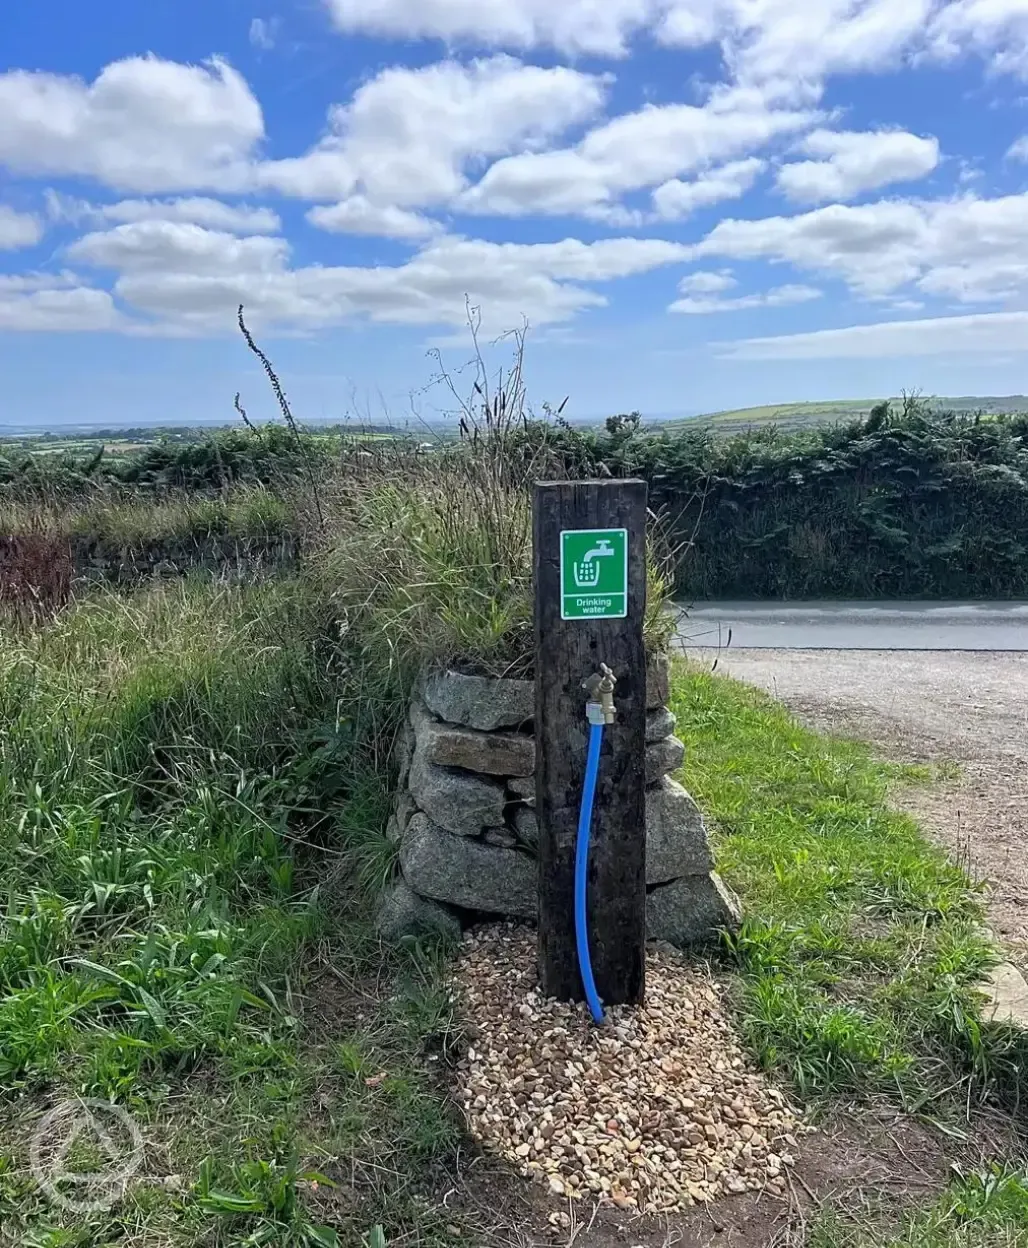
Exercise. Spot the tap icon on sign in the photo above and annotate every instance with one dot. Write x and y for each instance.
(587, 573)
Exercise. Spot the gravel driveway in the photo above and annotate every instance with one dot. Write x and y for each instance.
(931, 706)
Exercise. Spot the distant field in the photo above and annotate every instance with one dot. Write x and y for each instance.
(796, 415)
(71, 446)
(122, 443)
(792, 414)
(114, 441)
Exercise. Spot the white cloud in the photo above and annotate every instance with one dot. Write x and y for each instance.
(236, 218)
(851, 163)
(589, 262)
(264, 33)
(968, 248)
(159, 245)
(1019, 150)
(56, 308)
(408, 134)
(705, 283)
(18, 229)
(633, 151)
(995, 29)
(144, 125)
(596, 26)
(788, 41)
(404, 140)
(779, 297)
(497, 136)
(781, 44)
(989, 333)
(982, 279)
(357, 215)
(190, 280)
(875, 247)
(675, 200)
(19, 283)
(762, 40)
(693, 23)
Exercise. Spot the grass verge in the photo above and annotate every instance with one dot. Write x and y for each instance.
(183, 934)
(862, 943)
(180, 933)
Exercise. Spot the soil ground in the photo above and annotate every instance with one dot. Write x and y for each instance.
(870, 1167)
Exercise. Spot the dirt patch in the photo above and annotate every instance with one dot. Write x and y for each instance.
(868, 1169)
(970, 708)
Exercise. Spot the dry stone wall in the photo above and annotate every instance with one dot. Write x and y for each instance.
(105, 561)
(464, 816)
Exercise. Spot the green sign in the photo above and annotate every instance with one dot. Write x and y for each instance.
(594, 574)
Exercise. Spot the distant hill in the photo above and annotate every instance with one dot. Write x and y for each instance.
(796, 415)
(61, 437)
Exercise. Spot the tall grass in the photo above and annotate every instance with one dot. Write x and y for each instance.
(429, 561)
(147, 786)
(175, 773)
(131, 519)
(134, 690)
(439, 555)
(50, 549)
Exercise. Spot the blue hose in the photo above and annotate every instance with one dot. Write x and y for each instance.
(585, 818)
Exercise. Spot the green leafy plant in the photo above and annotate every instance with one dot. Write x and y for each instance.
(265, 1197)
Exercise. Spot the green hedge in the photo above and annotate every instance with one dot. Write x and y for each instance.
(919, 504)
(270, 456)
(914, 504)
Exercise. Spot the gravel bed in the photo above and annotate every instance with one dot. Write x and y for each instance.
(655, 1112)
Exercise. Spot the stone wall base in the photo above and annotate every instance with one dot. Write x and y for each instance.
(464, 817)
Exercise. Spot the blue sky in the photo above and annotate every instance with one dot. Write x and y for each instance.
(695, 204)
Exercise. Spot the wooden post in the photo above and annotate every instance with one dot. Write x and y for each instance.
(571, 641)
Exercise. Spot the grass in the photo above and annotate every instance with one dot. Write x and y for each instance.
(180, 933)
(791, 413)
(985, 1209)
(183, 934)
(828, 411)
(193, 785)
(862, 944)
(126, 520)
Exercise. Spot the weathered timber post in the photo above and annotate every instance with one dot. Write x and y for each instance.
(590, 599)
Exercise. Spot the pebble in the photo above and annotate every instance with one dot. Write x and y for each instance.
(655, 1112)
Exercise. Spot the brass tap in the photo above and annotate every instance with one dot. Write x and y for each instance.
(600, 708)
